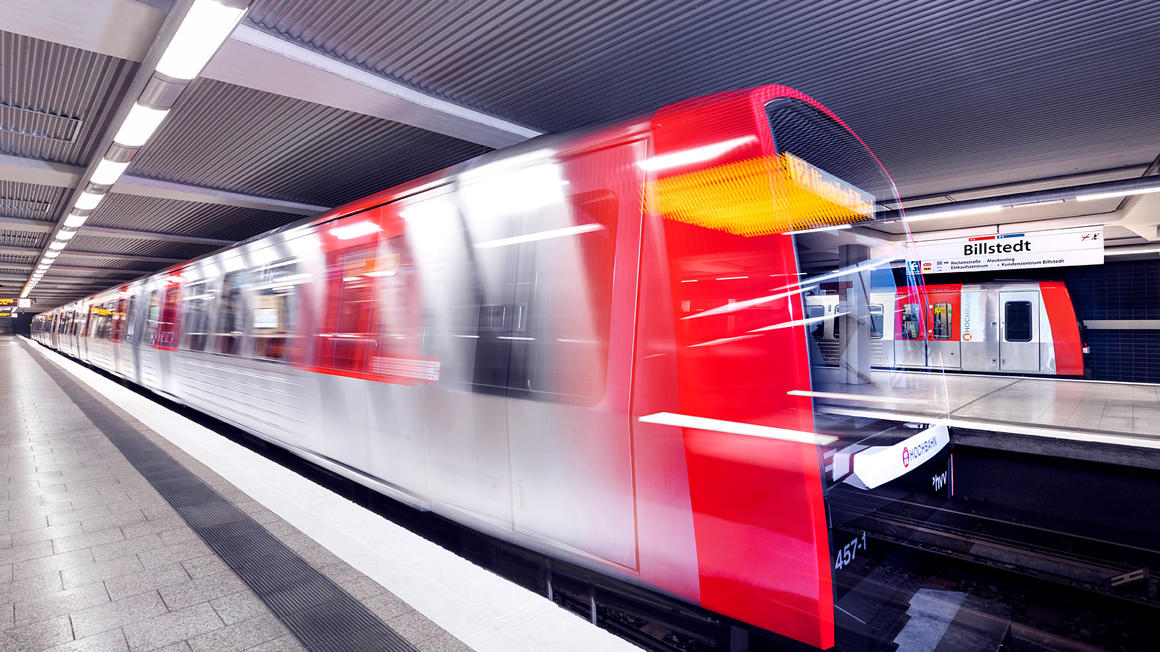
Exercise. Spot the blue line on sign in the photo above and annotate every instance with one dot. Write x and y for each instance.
(1012, 235)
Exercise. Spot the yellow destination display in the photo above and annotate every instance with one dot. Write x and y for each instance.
(760, 196)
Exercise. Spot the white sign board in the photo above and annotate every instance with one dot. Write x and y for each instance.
(1057, 248)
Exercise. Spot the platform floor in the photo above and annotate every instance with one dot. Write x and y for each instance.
(97, 553)
(1127, 413)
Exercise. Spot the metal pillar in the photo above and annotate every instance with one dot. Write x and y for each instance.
(854, 322)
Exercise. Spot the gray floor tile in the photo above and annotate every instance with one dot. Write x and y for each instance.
(100, 571)
(46, 533)
(110, 641)
(146, 580)
(240, 636)
(387, 606)
(30, 587)
(87, 540)
(239, 606)
(27, 551)
(202, 589)
(117, 614)
(113, 520)
(204, 565)
(284, 644)
(42, 565)
(118, 549)
(38, 635)
(415, 627)
(178, 625)
(56, 604)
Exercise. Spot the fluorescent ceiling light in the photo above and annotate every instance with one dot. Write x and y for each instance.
(139, 125)
(65, 235)
(24, 294)
(88, 200)
(74, 221)
(1112, 251)
(1118, 193)
(694, 155)
(541, 235)
(52, 253)
(953, 212)
(56, 245)
(108, 172)
(204, 28)
(820, 228)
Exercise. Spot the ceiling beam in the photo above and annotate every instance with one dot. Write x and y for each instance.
(40, 226)
(82, 269)
(257, 59)
(105, 254)
(60, 175)
(118, 28)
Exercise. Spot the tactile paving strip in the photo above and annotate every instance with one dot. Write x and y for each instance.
(316, 610)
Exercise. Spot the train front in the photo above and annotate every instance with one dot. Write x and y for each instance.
(800, 439)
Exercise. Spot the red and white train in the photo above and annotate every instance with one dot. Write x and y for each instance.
(594, 345)
(1022, 327)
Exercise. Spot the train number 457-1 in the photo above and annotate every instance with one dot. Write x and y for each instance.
(849, 552)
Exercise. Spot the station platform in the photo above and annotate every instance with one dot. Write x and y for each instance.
(1099, 421)
(126, 526)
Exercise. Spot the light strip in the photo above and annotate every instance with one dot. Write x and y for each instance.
(88, 200)
(1111, 251)
(541, 235)
(65, 235)
(203, 30)
(694, 155)
(937, 215)
(737, 428)
(139, 125)
(74, 221)
(1118, 193)
(57, 244)
(108, 172)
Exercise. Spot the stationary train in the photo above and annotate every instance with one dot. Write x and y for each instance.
(999, 327)
(594, 345)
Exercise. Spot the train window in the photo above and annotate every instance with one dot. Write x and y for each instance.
(911, 323)
(837, 325)
(104, 321)
(941, 324)
(118, 320)
(815, 317)
(231, 314)
(274, 302)
(876, 322)
(1017, 321)
(195, 316)
(351, 336)
(131, 327)
(152, 316)
(167, 325)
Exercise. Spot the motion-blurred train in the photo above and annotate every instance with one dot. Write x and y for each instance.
(594, 345)
(1002, 327)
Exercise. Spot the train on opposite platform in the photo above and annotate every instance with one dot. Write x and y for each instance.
(1017, 327)
(593, 345)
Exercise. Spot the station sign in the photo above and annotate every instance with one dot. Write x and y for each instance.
(1055, 248)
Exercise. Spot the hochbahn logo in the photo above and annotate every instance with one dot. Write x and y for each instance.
(905, 456)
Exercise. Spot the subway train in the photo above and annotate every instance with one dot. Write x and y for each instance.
(594, 345)
(998, 327)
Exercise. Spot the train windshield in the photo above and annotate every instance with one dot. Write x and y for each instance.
(874, 367)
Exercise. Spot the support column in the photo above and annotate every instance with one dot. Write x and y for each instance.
(854, 324)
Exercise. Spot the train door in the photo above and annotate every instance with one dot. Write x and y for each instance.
(881, 331)
(942, 333)
(568, 381)
(1019, 331)
(910, 330)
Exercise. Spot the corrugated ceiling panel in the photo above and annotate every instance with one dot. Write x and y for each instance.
(995, 91)
(17, 238)
(186, 218)
(164, 248)
(30, 200)
(57, 100)
(234, 138)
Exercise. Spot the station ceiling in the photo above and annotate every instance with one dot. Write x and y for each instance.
(312, 104)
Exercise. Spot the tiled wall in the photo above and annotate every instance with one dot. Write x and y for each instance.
(1119, 290)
